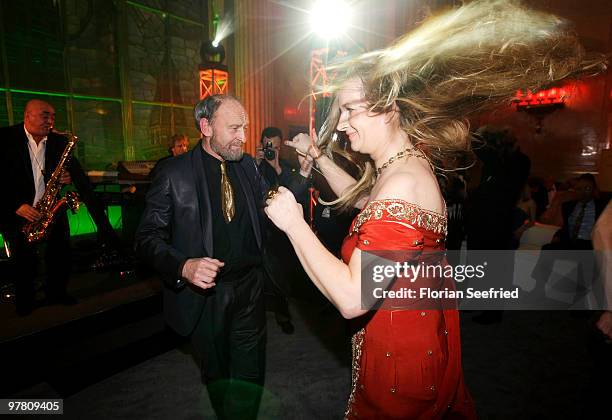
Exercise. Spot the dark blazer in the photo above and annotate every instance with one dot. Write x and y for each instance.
(20, 187)
(288, 176)
(177, 225)
(566, 210)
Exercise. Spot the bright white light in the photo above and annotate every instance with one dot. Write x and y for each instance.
(331, 18)
(589, 151)
(225, 29)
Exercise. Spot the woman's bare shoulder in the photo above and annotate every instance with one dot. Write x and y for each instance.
(399, 185)
(411, 187)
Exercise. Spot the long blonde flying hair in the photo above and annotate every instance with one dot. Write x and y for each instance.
(461, 61)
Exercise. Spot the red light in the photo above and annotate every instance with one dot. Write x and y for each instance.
(529, 99)
(290, 112)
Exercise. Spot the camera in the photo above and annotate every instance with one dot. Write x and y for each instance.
(268, 151)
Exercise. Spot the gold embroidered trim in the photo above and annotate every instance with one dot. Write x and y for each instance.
(403, 211)
(357, 344)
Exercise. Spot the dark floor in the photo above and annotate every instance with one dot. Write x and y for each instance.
(115, 360)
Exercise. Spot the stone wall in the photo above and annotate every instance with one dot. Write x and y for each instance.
(73, 48)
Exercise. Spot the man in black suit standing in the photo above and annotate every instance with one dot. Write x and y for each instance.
(283, 263)
(31, 152)
(203, 231)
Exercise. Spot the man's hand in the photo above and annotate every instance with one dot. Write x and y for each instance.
(259, 155)
(201, 272)
(283, 210)
(274, 163)
(28, 212)
(301, 143)
(306, 163)
(65, 178)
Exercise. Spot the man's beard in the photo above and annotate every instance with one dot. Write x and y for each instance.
(225, 152)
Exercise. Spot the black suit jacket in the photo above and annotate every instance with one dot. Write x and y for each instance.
(288, 176)
(177, 225)
(20, 187)
(567, 209)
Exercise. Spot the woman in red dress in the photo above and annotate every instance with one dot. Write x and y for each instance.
(403, 112)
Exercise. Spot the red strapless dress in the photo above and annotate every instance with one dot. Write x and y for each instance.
(406, 363)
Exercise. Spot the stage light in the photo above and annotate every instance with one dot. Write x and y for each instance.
(330, 19)
(213, 73)
(212, 52)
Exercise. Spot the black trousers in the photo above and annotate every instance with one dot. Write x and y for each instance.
(230, 338)
(55, 250)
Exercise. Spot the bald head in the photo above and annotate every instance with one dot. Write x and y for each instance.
(38, 118)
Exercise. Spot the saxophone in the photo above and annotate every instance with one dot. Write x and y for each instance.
(50, 203)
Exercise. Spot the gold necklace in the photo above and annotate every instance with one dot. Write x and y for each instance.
(404, 153)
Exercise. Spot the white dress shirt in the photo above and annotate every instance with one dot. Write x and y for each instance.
(37, 158)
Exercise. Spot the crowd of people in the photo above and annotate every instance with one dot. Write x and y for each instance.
(219, 225)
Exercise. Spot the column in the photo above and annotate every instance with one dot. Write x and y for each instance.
(252, 67)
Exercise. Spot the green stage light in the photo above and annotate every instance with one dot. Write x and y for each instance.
(81, 222)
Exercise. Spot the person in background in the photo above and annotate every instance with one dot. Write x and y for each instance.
(524, 216)
(491, 225)
(454, 189)
(180, 144)
(177, 145)
(281, 260)
(31, 152)
(579, 218)
(539, 194)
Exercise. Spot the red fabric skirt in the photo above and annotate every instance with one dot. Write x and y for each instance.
(406, 365)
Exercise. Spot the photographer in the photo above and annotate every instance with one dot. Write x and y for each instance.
(276, 171)
(280, 256)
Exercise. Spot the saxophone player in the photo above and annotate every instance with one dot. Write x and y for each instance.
(31, 152)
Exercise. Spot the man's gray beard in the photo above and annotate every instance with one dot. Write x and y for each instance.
(226, 154)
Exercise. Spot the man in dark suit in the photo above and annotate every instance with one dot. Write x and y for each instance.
(284, 265)
(31, 152)
(505, 170)
(579, 217)
(203, 231)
